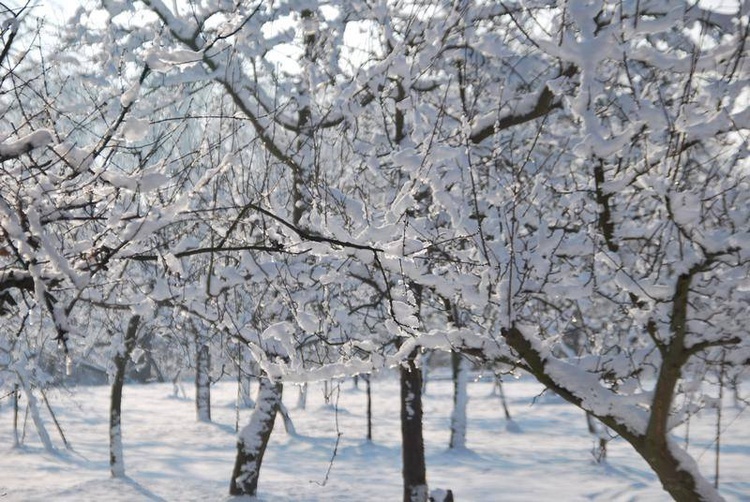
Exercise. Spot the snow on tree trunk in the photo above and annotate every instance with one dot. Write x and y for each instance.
(246, 391)
(116, 456)
(253, 439)
(412, 440)
(36, 417)
(177, 388)
(677, 471)
(302, 396)
(202, 378)
(460, 400)
(426, 357)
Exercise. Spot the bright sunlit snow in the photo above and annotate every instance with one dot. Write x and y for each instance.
(545, 453)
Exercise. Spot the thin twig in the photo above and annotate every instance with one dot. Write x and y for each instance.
(338, 438)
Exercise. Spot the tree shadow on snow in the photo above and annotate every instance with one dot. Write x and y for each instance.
(102, 489)
(226, 428)
(636, 476)
(469, 458)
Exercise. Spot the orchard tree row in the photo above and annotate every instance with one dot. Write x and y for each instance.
(331, 188)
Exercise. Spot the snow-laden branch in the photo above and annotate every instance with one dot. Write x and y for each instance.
(231, 77)
(530, 107)
(578, 387)
(16, 278)
(14, 149)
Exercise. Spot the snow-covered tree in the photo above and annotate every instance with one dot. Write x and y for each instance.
(535, 166)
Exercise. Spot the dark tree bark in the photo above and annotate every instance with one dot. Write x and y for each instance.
(368, 392)
(16, 395)
(412, 445)
(676, 470)
(116, 459)
(253, 439)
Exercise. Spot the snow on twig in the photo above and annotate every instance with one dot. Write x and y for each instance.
(32, 141)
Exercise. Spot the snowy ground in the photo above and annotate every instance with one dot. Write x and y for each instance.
(169, 456)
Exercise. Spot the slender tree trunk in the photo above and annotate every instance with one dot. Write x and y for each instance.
(302, 396)
(719, 409)
(247, 391)
(460, 400)
(54, 420)
(253, 439)
(116, 458)
(202, 378)
(244, 383)
(287, 418)
(368, 393)
(510, 424)
(426, 357)
(16, 393)
(177, 388)
(243, 396)
(36, 417)
(501, 393)
(600, 451)
(412, 449)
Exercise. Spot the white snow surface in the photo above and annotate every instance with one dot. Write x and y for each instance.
(169, 455)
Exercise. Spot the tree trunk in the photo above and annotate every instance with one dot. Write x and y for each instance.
(460, 400)
(287, 419)
(677, 471)
(55, 421)
(202, 378)
(177, 388)
(412, 449)
(16, 394)
(36, 417)
(326, 393)
(302, 397)
(116, 458)
(600, 435)
(510, 424)
(253, 439)
(426, 357)
(501, 392)
(368, 391)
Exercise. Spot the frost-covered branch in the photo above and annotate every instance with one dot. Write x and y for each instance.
(12, 149)
(528, 108)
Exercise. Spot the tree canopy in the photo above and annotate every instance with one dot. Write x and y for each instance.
(558, 186)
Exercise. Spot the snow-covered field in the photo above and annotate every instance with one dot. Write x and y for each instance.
(169, 456)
